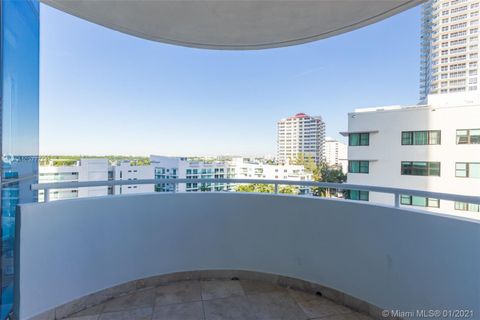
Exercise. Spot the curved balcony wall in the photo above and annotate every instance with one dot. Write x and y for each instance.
(391, 258)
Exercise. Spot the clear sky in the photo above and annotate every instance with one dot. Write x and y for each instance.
(104, 92)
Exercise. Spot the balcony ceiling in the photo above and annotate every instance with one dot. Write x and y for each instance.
(233, 24)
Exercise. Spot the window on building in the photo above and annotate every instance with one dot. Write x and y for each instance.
(420, 168)
(421, 137)
(464, 206)
(467, 169)
(359, 139)
(358, 166)
(419, 201)
(468, 136)
(358, 195)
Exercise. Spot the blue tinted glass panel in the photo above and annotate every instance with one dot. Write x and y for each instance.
(19, 26)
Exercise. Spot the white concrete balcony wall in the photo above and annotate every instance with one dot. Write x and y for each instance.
(392, 258)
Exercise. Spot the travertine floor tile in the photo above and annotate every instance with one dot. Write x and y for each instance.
(88, 314)
(219, 300)
(255, 287)
(321, 307)
(143, 298)
(217, 289)
(131, 314)
(348, 316)
(233, 308)
(91, 317)
(179, 311)
(178, 292)
(276, 305)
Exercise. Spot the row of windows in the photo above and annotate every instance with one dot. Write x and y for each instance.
(421, 137)
(408, 200)
(467, 170)
(419, 201)
(421, 168)
(425, 137)
(463, 206)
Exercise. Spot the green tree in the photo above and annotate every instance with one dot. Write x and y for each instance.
(305, 160)
(288, 189)
(255, 187)
(326, 173)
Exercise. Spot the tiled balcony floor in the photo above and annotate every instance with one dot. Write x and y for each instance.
(218, 300)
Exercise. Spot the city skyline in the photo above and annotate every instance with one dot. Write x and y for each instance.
(204, 102)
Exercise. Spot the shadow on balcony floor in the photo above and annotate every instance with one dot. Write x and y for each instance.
(218, 300)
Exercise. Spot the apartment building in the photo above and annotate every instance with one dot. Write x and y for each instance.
(336, 154)
(125, 170)
(245, 168)
(449, 47)
(181, 168)
(300, 134)
(83, 170)
(434, 147)
(163, 167)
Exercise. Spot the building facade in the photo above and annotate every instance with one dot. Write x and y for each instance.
(336, 154)
(125, 170)
(163, 167)
(434, 147)
(300, 134)
(245, 168)
(84, 170)
(449, 47)
(181, 168)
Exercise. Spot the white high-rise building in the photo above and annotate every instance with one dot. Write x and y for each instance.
(434, 147)
(300, 134)
(449, 47)
(336, 153)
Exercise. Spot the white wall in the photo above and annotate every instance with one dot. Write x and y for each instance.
(93, 170)
(125, 171)
(392, 258)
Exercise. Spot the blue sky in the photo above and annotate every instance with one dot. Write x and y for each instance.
(104, 92)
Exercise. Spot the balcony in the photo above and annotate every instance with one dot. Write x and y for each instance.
(217, 255)
(249, 255)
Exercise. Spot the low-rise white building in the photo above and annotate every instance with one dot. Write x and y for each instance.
(181, 168)
(164, 167)
(433, 147)
(84, 170)
(245, 168)
(124, 170)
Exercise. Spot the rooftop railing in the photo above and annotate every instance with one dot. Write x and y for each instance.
(396, 192)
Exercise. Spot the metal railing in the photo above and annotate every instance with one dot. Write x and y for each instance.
(396, 192)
